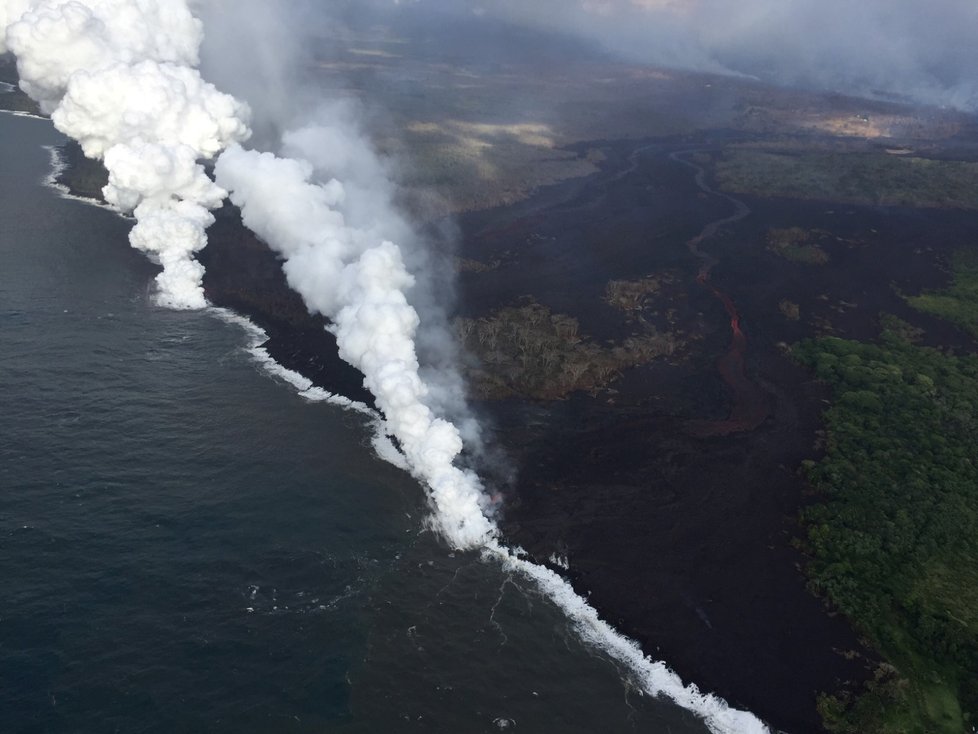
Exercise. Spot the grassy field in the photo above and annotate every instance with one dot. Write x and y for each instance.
(894, 538)
(858, 178)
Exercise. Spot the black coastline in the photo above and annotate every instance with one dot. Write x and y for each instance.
(244, 275)
(684, 540)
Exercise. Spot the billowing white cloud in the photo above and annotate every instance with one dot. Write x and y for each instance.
(120, 77)
(359, 281)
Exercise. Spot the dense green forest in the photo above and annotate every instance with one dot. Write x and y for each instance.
(894, 538)
(876, 178)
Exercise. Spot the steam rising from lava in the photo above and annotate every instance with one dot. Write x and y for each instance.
(120, 77)
(358, 280)
(914, 51)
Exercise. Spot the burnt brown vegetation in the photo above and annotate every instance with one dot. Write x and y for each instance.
(529, 351)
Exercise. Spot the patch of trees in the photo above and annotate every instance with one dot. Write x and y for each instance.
(894, 538)
(532, 352)
(959, 302)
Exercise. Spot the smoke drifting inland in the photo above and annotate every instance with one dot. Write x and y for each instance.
(921, 51)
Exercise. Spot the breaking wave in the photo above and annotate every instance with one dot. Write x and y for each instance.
(53, 180)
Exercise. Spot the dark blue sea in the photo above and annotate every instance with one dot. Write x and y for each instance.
(187, 545)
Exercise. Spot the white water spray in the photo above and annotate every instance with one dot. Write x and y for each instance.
(120, 77)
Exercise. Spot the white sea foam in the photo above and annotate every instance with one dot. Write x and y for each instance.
(6, 87)
(21, 113)
(303, 385)
(560, 561)
(654, 677)
(58, 166)
(384, 447)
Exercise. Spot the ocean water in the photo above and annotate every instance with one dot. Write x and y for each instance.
(187, 545)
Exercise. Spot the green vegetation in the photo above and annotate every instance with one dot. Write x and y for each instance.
(894, 541)
(959, 302)
(468, 265)
(633, 295)
(859, 178)
(790, 310)
(798, 245)
(532, 352)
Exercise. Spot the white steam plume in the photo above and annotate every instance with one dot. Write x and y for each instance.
(119, 77)
(356, 277)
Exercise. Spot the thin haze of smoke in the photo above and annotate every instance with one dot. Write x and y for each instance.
(326, 205)
(255, 50)
(923, 51)
(120, 77)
